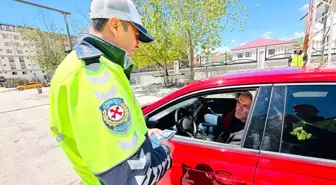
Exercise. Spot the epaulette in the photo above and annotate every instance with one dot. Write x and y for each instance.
(86, 52)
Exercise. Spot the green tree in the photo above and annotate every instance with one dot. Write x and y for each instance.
(168, 43)
(47, 44)
(201, 21)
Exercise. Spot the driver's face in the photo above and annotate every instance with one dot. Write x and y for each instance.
(243, 107)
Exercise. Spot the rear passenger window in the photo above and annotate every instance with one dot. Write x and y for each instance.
(309, 127)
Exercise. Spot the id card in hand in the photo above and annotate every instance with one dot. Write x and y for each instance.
(155, 139)
(168, 134)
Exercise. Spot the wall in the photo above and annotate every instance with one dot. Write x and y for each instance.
(146, 78)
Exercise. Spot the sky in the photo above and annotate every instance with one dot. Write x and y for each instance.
(271, 19)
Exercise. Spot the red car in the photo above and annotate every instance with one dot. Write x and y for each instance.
(288, 137)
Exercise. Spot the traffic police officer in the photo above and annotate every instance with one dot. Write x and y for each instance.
(94, 114)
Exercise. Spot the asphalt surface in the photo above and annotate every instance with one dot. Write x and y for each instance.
(29, 154)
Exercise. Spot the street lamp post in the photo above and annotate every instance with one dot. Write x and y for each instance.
(64, 13)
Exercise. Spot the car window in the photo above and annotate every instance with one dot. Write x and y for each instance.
(171, 109)
(258, 119)
(210, 125)
(272, 135)
(310, 121)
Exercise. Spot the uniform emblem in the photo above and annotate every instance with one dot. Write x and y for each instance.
(115, 114)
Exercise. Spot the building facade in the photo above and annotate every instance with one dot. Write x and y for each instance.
(263, 49)
(16, 55)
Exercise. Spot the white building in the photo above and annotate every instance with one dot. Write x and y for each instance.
(16, 55)
(262, 49)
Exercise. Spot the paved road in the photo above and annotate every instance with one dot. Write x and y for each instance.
(28, 153)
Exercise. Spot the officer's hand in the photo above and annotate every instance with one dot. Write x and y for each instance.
(169, 144)
(154, 131)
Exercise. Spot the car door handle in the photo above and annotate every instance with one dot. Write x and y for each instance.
(226, 178)
(225, 181)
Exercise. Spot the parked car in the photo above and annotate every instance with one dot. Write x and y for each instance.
(29, 86)
(285, 102)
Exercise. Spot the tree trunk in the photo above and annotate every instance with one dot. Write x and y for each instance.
(191, 62)
(165, 74)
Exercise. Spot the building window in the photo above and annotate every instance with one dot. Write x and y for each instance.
(24, 72)
(248, 54)
(17, 44)
(271, 51)
(240, 55)
(31, 71)
(25, 45)
(9, 51)
(4, 36)
(0, 49)
(7, 43)
(12, 65)
(21, 59)
(4, 65)
(19, 51)
(11, 59)
(26, 50)
(14, 73)
(23, 65)
(29, 64)
(5, 72)
(27, 57)
(16, 37)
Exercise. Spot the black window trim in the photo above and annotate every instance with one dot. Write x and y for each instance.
(313, 160)
(210, 144)
(299, 157)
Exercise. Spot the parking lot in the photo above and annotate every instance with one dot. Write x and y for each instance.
(28, 153)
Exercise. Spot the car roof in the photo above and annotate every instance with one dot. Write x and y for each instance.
(267, 76)
(283, 75)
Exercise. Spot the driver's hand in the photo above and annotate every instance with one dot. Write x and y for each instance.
(169, 144)
(154, 131)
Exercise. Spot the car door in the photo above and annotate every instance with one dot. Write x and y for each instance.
(206, 162)
(298, 143)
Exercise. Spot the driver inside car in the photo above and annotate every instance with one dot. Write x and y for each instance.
(223, 127)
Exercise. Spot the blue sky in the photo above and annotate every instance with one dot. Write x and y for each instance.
(266, 18)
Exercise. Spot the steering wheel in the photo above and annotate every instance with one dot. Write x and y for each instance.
(184, 122)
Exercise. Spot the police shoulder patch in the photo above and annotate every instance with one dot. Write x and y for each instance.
(116, 115)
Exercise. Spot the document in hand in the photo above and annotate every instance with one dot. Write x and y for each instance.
(167, 134)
